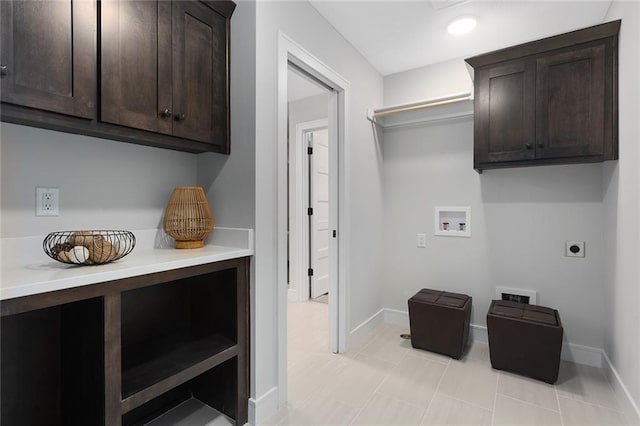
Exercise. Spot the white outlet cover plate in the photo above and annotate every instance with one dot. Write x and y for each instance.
(579, 253)
(40, 194)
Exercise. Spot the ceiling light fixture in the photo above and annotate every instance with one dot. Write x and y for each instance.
(461, 25)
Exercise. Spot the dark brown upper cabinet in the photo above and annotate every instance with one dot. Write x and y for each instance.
(48, 56)
(135, 71)
(552, 101)
(200, 74)
(162, 77)
(505, 113)
(165, 68)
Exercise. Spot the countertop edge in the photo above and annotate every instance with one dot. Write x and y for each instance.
(93, 276)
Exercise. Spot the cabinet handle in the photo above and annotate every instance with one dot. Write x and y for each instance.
(180, 117)
(3, 70)
(528, 146)
(540, 145)
(166, 113)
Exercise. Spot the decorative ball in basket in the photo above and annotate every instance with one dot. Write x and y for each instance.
(95, 247)
(188, 218)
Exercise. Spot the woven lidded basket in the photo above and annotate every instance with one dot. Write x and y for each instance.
(188, 218)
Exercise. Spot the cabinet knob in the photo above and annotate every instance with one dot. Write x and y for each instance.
(3, 70)
(165, 113)
(180, 117)
(528, 146)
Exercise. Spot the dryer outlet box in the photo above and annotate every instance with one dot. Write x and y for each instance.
(517, 295)
(574, 249)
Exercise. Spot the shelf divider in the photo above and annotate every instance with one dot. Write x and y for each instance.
(146, 381)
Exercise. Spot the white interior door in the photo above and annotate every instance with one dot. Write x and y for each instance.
(319, 220)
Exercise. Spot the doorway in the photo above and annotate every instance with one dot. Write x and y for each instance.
(318, 177)
(291, 55)
(309, 204)
(308, 187)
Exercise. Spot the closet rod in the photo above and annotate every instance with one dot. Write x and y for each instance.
(412, 106)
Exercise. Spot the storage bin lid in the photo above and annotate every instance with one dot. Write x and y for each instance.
(455, 300)
(533, 313)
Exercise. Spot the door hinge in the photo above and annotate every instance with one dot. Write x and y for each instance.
(310, 211)
(335, 233)
(310, 143)
(310, 272)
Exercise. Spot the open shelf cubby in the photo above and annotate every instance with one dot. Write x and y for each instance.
(175, 331)
(205, 388)
(128, 350)
(51, 363)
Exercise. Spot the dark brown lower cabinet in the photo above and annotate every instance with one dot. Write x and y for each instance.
(51, 366)
(127, 351)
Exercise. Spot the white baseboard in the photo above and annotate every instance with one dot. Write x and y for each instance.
(479, 333)
(263, 407)
(578, 354)
(572, 352)
(630, 409)
(358, 334)
(292, 295)
(394, 316)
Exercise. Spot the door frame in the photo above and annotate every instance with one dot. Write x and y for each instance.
(339, 108)
(299, 237)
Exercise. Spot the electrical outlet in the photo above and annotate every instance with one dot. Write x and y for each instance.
(47, 201)
(574, 249)
(421, 240)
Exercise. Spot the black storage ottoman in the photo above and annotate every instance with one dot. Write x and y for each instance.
(525, 339)
(439, 321)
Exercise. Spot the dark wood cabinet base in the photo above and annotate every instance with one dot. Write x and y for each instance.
(52, 366)
(125, 351)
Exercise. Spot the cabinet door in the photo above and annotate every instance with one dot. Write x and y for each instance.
(200, 74)
(49, 55)
(505, 113)
(136, 64)
(570, 103)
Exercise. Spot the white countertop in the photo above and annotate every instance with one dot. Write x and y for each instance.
(27, 270)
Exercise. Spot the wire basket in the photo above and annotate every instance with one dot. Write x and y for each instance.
(95, 247)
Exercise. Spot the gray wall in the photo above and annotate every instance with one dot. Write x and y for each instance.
(103, 184)
(622, 212)
(229, 181)
(443, 79)
(109, 184)
(521, 219)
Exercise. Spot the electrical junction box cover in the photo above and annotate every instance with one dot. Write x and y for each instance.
(574, 249)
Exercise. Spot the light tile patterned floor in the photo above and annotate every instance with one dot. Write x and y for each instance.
(387, 382)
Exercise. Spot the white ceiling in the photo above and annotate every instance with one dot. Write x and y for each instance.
(396, 36)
